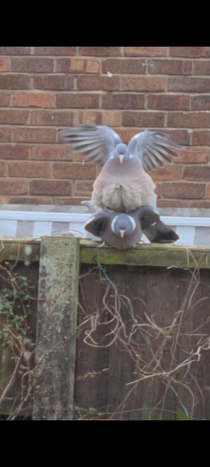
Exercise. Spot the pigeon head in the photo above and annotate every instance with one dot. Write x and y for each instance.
(121, 153)
(123, 225)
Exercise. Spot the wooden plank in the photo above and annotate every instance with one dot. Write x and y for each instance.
(56, 328)
(142, 255)
(195, 340)
(167, 255)
(105, 376)
(17, 250)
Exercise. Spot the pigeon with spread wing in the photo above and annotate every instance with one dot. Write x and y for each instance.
(123, 183)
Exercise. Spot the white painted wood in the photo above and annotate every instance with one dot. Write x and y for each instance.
(8, 228)
(44, 216)
(77, 229)
(186, 221)
(186, 235)
(42, 228)
(82, 218)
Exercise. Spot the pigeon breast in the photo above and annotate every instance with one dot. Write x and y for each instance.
(123, 187)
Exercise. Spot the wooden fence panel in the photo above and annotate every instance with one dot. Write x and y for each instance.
(165, 369)
(17, 398)
(140, 348)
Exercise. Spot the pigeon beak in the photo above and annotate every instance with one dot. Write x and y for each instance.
(121, 158)
(122, 233)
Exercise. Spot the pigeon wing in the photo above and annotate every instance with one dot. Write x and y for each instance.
(96, 142)
(97, 223)
(153, 149)
(154, 229)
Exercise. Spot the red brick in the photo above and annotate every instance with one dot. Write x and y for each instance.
(143, 83)
(123, 101)
(178, 136)
(201, 138)
(188, 84)
(69, 201)
(77, 101)
(34, 135)
(201, 172)
(170, 67)
(124, 66)
(52, 118)
(4, 99)
(190, 120)
(32, 65)
(77, 65)
(208, 191)
(91, 66)
(31, 200)
(14, 151)
(5, 134)
(33, 99)
(158, 188)
(189, 52)
(50, 187)
(87, 116)
(14, 117)
(63, 65)
(169, 172)
(201, 67)
(101, 83)
(170, 203)
(183, 190)
(4, 64)
(68, 171)
(168, 102)
(143, 119)
(15, 50)
(53, 82)
(193, 155)
(51, 153)
(13, 187)
(111, 118)
(12, 81)
(4, 199)
(29, 169)
(146, 51)
(83, 188)
(200, 204)
(79, 157)
(201, 102)
(54, 51)
(100, 51)
(126, 134)
(2, 169)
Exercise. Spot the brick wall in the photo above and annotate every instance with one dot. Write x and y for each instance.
(130, 89)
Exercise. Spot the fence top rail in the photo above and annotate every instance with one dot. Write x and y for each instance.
(166, 255)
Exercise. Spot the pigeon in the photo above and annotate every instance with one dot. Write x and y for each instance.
(124, 230)
(123, 184)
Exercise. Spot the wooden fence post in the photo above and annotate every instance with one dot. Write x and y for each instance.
(56, 328)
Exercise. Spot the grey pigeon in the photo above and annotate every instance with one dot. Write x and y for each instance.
(123, 231)
(123, 184)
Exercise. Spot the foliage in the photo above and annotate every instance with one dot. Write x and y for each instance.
(16, 347)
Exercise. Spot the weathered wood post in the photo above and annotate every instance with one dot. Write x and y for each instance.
(56, 328)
